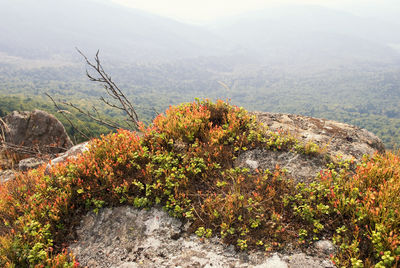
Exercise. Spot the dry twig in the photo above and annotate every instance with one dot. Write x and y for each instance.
(113, 91)
(66, 117)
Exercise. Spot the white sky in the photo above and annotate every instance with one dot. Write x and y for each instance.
(203, 11)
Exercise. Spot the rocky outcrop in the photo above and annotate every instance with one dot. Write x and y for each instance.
(127, 237)
(333, 139)
(33, 162)
(37, 130)
(299, 166)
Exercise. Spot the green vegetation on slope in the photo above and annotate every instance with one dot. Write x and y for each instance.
(184, 163)
(365, 95)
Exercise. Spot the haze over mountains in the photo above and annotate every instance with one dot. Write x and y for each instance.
(43, 28)
(301, 34)
(288, 34)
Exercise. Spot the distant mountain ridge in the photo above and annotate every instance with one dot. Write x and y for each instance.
(42, 28)
(311, 33)
(296, 34)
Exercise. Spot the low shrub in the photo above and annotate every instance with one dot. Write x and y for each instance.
(360, 209)
(184, 162)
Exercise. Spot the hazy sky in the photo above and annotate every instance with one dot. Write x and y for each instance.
(203, 11)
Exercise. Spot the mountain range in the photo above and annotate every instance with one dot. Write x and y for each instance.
(287, 35)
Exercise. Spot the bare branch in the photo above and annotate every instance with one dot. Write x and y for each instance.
(66, 117)
(111, 104)
(117, 100)
(98, 120)
(28, 150)
(112, 90)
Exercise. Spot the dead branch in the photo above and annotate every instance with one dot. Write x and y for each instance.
(29, 150)
(66, 117)
(98, 120)
(113, 91)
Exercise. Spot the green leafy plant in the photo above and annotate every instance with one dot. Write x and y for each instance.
(360, 207)
(184, 162)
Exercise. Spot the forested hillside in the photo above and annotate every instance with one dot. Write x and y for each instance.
(367, 96)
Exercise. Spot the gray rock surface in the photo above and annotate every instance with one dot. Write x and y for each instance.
(37, 129)
(273, 262)
(71, 153)
(333, 138)
(301, 260)
(6, 175)
(325, 247)
(29, 163)
(127, 237)
(299, 166)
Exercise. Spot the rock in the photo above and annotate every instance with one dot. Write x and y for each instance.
(273, 262)
(324, 247)
(128, 237)
(301, 260)
(38, 130)
(6, 175)
(29, 163)
(299, 166)
(252, 163)
(333, 139)
(71, 153)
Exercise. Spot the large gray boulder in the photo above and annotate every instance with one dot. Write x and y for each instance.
(37, 130)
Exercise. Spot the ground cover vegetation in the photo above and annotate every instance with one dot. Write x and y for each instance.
(184, 162)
